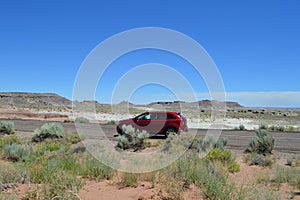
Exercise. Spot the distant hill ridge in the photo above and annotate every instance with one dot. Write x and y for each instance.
(51, 99)
(37, 99)
(201, 104)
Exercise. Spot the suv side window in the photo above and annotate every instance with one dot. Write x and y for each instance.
(145, 117)
(170, 116)
(161, 116)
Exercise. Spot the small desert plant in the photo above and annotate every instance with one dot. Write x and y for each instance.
(7, 127)
(81, 120)
(15, 152)
(293, 161)
(262, 144)
(132, 138)
(68, 121)
(73, 138)
(52, 130)
(276, 128)
(288, 175)
(111, 122)
(263, 127)
(11, 139)
(93, 168)
(10, 173)
(258, 159)
(225, 157)
(290, 128)
(242, 127)
(130, 179)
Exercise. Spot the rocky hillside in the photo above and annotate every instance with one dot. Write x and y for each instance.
(24, 99)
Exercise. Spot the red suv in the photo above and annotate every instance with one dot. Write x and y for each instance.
(156, 122)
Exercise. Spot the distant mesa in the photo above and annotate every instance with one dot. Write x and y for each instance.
(206, 104)
(26, 99)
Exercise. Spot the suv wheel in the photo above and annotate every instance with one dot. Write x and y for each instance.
(169, 130)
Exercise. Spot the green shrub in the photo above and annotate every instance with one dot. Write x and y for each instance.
(111, 122)
(290, 128)
(263, 127)
(242, 127)
(93, 168)
(68, 121)
(132, 139)
(81, 120)
(11, 139)
(130, 179)
(288, 175)
(7, 127)
(210, 141)
(293, 161)
(61, 185)
(258, 159)
(73, 138)
(52, 130)
(10, 173)
(225, 157)
(276, 128)
(262, 144)
(15, 152)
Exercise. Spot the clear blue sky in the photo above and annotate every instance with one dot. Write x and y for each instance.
(255, 44)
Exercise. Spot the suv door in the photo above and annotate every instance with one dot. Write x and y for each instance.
(142, 122)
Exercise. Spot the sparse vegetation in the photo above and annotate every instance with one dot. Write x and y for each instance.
(263, 127)
(81, 120)
(15, 152)
(293, 161)
(288, 175)
(132, 139)
(242, 127)
(68, 121)
(51, 130)
(262, 144)
(111, 122)
(8, 140)
(225, 157)
(258, 159)
(260, 149)
(6, 127)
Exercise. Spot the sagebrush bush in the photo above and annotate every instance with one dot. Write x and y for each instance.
(7, 127)
(111, 122)
(132, 138)
(73, 138)
(242, 127)
(15, 152)
(262, 144)
(263, 127)
(10, 139)
(258, 159)
(293, 161)
(10, 173)
(81, 120)
(208, 142)
(225, 157)
(93, 168)
(51, 130)
(68, 121)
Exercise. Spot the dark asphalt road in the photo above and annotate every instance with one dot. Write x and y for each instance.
(288, 142)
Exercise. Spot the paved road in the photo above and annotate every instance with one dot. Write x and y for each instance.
(284, 141)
